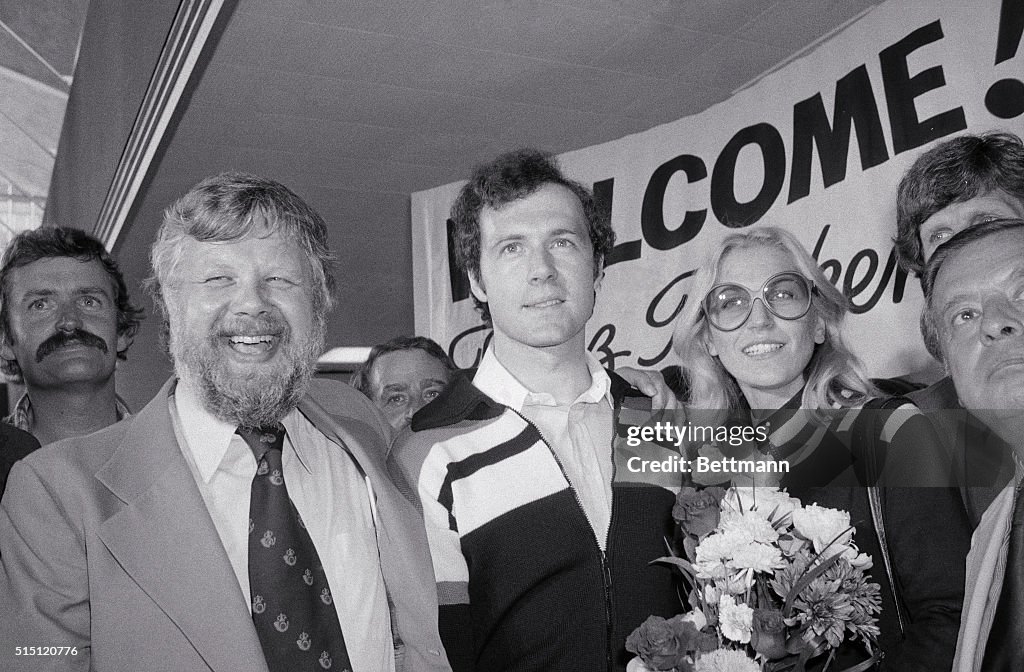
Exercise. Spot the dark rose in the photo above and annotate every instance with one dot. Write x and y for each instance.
(663, 644)
(696, 511)
(768, 634)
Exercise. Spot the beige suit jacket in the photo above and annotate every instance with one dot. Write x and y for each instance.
(106, 545)
(986, 566)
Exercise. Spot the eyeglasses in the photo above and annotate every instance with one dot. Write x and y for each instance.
(785, 295)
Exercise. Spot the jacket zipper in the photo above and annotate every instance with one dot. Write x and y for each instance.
(616, 408)
(605, 569)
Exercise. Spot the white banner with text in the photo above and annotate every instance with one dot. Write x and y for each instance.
(816, 147)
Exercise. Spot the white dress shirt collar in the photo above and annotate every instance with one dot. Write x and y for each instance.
(207, 437)
(497, 382)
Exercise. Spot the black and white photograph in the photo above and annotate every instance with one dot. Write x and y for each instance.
(512, 335)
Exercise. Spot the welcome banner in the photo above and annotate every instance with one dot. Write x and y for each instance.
(816, 147)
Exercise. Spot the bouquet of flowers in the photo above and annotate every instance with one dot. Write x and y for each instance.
(770, 583)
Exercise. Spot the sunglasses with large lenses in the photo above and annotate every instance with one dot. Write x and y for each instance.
(785, 295)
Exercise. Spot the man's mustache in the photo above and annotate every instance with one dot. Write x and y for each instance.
(64, 338)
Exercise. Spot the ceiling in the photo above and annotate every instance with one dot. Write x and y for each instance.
(395, 97)
(38, 48)
(357, 104)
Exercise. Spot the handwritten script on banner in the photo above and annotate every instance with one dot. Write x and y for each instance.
(816, 147)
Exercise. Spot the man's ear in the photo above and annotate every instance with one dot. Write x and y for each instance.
(124, 341)
(477, 287)
(6, 351)
(712, 350)
(820, 334)
(599, 276)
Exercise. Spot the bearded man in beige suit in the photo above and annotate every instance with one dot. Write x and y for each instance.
(148, 546)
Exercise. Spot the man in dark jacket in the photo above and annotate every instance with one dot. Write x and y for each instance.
(14, 445)
(974, 324)
(955, 185)
(540, 546)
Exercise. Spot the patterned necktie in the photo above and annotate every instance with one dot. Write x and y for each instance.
(1004, 651)
(292, 606)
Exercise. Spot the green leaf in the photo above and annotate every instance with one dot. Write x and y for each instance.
(683, 565)
(690, 548)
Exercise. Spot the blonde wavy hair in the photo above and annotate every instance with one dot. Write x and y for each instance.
(834, 376)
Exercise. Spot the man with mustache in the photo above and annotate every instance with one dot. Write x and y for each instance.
(974, 324)
(242, 520)
(65, 320)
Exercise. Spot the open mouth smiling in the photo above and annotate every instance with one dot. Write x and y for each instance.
(760, 349)
(253, 344)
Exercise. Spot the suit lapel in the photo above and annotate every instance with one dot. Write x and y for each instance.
(165, 540)
(401, 539)
(353, 437)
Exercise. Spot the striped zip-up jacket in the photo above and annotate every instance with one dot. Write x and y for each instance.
(522, 582)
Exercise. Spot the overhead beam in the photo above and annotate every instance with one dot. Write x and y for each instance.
(189, 33)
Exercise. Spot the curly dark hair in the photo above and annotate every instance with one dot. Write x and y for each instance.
(361, 379)
(954, 171)
(510, 177)
(56, 241)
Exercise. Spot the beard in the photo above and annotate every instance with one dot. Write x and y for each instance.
(262, 394)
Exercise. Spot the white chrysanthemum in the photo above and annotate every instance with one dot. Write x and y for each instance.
(748, 527)
(726, 660)
(823, 525)
(743, 542)
(758, 557)
(735, 620)
(712, 554)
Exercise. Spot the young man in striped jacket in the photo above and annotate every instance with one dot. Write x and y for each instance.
(540, 546)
